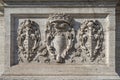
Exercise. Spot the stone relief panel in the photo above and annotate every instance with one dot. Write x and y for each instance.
(60, 45)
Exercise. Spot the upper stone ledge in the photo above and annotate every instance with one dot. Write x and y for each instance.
(61, 0)
(60, 3)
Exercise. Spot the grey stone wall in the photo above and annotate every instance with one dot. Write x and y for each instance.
(2, 43)
(118, 38)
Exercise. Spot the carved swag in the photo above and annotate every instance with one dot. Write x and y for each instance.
(60, 40)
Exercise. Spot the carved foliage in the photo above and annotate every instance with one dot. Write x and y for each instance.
(58, 37)
(60, 40)
(91, 39)
(28, 40)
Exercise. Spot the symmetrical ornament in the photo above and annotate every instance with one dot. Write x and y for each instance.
(58, 37)
(28, 40)
(91, 38)
(60, 41)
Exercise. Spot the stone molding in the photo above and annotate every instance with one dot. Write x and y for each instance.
(61, 3)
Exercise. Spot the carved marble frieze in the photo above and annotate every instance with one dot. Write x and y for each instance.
(62, 44)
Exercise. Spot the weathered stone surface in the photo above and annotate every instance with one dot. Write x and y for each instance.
(78, 41)
(60, 41)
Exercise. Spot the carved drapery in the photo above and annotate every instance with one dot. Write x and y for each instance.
(59, 44)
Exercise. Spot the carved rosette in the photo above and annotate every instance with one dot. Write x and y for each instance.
(28, 40)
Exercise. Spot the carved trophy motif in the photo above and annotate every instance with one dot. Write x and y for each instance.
(91, 39)
(58, 37)
(28, 40)
(60, 41)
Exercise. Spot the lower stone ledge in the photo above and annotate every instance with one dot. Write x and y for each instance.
(59, 78)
